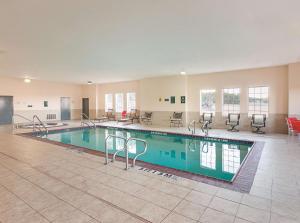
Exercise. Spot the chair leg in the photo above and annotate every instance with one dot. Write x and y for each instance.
(259, 131)
(234, 129)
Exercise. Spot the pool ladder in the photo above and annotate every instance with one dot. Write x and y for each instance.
(38, 127)
(85, 120)
(16, 125)
(205, 128)
(125, 149)
(192, 124)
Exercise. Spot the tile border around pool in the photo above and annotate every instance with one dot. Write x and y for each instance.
(242, 183)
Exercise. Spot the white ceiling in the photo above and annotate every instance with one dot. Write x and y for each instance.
(117, 40)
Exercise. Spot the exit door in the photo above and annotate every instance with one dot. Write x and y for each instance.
(86, 106)
(6, 109)
(65, 108)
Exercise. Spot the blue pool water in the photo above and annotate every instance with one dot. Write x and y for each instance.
(214, 158)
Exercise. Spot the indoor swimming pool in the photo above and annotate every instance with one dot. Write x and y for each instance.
(211, 157)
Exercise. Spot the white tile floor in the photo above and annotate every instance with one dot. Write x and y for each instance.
(40, 182)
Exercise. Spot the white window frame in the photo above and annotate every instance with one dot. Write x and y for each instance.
(208, 91)
(108, 105)
(232, 107)
(119, 106)
(256, 107)
(131, 104)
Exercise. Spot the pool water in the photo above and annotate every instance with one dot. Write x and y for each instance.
(220, 159)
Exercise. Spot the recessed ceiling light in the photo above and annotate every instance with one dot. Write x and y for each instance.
(183, 73)
(27, 80)
(90, 82)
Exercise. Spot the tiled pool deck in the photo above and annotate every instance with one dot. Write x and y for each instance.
(41, 182)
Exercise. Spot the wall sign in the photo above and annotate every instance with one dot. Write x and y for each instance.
(167, 99)
(45, 104)
(173, 100)
(182, 99)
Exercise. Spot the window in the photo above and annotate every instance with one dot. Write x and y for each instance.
(131, 101)
(258, 100)
(231, 101)
(208, 101)
(208, 155)
(231, 158)
(119, 102)
(108, 102)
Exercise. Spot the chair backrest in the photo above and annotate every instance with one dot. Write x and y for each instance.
(177, 115)
(259, 118)
(148, 114)
(124, 114)
(207, 117)
(234, 117)
(110, 112)
(133, 111)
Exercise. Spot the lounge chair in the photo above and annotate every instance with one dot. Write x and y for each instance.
(147, 118)
(293, 126)
(233, 121)
(207, 119)
(101, 119)
(124, 117)
(110, 115)
(258, 121)
(133, 115)
(176, 119)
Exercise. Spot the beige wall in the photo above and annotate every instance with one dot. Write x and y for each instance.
(276, 78)
(294, 89)
(283, 82)
(36, 92)
(121, 87)
(150, 90)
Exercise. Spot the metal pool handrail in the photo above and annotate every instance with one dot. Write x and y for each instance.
(144, 151)
(204, 128)
(83, 115)
(125, 148)
(16, 125)
(194, 127)
(40, 123)
(106, 149)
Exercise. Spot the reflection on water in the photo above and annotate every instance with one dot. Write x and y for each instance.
(208, 155)
(118, 143)
(231, 158)
(65, 138)
(86, 135)
(210, 158)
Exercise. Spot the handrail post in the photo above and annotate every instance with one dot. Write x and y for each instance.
(114, 155)
(125, 149)
(194, 127)
(126, 155)
(106, 150)
(204, 128)
(145, 149)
